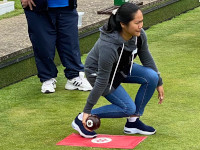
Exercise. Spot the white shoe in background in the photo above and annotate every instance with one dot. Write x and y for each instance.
(49, 86)
(78, 83)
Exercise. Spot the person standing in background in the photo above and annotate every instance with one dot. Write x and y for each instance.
(52, 24)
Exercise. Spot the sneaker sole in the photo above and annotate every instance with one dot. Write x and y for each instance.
(47, 91)
(76, 127)
(137, 131)
(77, 88)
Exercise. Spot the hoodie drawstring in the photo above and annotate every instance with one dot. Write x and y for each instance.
(133, 53)
(116, 67)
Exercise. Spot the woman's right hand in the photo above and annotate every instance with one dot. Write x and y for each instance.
(160, 90)
(85, 116)
(29, 3)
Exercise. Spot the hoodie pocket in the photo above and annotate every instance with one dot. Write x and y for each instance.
(119, 78)
(122, 69)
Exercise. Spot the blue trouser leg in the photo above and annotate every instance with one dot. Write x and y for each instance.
(43, 38)
(121, 103)
(148, 79)
(56, 28)
(68, 43)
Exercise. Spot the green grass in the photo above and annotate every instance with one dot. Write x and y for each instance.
(32, 120)
(169, 11)
(18, 10)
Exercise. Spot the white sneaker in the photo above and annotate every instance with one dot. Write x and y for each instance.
(78, 83)
(49, 86)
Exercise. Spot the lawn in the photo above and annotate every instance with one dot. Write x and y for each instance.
(32, 120)
(18, 10)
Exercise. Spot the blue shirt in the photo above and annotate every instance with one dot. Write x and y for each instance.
(58, 3)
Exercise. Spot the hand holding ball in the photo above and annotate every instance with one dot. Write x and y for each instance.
(93, 122)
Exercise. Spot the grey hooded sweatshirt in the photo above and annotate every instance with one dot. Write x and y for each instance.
(103, 57)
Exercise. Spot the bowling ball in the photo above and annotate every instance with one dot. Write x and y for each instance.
(93, 122)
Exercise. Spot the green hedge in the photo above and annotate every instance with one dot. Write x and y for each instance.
(169, 12)
(19, 71)
(88, 42)
(27, 68)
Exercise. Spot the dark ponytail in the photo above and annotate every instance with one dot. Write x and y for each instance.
(124, 14)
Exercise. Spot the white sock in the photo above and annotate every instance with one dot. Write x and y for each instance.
(80, 116)
(132, 119)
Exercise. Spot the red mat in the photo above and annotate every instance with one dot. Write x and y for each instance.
(103, 140)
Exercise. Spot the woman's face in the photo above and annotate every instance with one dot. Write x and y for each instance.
(134, 27)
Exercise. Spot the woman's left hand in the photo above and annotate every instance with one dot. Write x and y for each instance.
(160, 90)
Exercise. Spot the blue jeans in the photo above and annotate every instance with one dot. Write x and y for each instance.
(121, 103)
